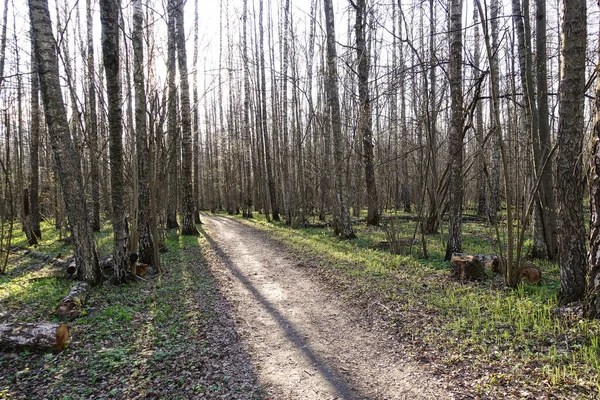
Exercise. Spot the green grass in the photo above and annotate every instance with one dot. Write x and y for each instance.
(515, 338)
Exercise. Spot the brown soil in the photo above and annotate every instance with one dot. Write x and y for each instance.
(305, 341)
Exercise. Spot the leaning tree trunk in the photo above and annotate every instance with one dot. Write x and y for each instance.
(569, 176)
(109, 14)
(592, 303)
(146, 242)
(66, 158)
(343, 225)
(456, 132)
(188, 226)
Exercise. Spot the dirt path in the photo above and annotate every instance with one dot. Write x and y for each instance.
(306, 343)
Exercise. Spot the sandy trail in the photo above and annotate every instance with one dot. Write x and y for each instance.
(306, 343)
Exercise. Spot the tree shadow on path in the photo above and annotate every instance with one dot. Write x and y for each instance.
(328, 372)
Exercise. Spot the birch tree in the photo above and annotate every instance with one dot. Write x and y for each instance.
(65, 156)
(342, 223)
(109, 14)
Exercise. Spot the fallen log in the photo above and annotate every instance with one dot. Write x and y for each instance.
(398, 245)
(67, 264)
(42, 336)
(72, 305)
(467, 268)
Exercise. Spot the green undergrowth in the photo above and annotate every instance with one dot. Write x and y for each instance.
(163, 337)
(509, 343)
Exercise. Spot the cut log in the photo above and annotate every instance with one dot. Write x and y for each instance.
(67, 264)
(490, 262)
(380, 246)
(141, 269)
(530, 273)
(72, 305)
(42, 336)
(467, 268)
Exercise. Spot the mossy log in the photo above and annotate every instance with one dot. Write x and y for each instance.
(72, 305)
(42, 336)
(467, 267)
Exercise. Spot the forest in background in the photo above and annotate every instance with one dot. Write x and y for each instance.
(304, 113)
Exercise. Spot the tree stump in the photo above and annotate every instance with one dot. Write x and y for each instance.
(467, 268)
(490, 262)
(72, 305)
(530, 273)
(42, 336)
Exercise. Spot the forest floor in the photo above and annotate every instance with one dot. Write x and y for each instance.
(252, 309)
(307, 343)
(167, 337)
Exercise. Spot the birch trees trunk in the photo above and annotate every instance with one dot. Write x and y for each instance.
(455, 189)
(592, 298)
(146, 242)
(172, 127)
(188, 226)
(109, 17)
(65, 156)
(570, 180)
(342, 223)
(365, 118)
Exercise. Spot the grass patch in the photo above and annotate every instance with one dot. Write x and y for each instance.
(507, 343)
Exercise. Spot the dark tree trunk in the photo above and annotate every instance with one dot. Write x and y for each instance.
(92, 130)
(34, 145)
(547, 202)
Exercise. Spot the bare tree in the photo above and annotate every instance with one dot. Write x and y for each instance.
(65, 156)
(92, 128)
(592, 297)
(172, 127)
(456, 132)
(109, 17)
(342, 225)
(569, 179)
(34, 145)
(146, 242)
(188, 227)
(365, 118)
